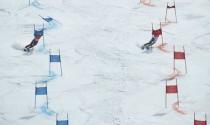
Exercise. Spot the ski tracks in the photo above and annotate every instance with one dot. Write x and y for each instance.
(175, 107)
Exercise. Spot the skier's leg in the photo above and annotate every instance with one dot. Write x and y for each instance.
(152, 42)
(34, 43)
(31, 45)
(144, 45)
(28, 47)
(149, 44)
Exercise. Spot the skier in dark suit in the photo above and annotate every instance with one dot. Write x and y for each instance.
(150, 43)
(34, 42)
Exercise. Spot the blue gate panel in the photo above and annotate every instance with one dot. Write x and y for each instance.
(41, 91)
(55, 58)
(38, 32)
(62, 122)
(48, 19)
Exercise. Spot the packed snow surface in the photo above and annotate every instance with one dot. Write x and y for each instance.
(107, 79)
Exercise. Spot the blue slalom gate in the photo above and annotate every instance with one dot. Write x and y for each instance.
(62, 122)
(55, 58)
(41, 91)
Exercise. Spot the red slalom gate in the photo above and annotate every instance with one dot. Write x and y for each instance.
(169, 8)
(179, 56)
(200, 122)
(171, 89)
(147, 3)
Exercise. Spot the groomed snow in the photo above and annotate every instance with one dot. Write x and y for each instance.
(107, 79)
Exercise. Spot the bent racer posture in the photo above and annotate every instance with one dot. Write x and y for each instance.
(150, 43)
(34, 42)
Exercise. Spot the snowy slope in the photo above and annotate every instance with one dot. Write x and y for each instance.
(107, 79)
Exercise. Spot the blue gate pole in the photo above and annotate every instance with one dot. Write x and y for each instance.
(43, 36)
(49, 62)
(35, 97)
(68, 118)
(34, 27)
(47, 96)
(60, 64)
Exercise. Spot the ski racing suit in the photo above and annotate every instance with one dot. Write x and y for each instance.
(33, 43)
(151, 42)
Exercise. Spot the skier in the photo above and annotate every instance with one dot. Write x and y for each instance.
(34, 42)
(150, 43)
(31, 45)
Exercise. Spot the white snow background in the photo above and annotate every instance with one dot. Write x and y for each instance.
(107, 79)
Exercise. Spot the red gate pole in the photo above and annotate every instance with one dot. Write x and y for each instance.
(166, 95)
(177, 93)
(194, 118)
(161, 32)
(175, 11)
(152, 29)
(174, 57)
(185, 61)
(206, 118)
